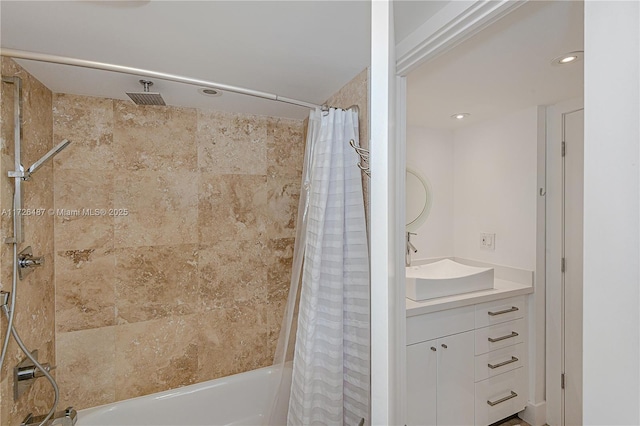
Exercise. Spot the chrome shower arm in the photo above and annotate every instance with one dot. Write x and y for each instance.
(35, 166)
(26, 175)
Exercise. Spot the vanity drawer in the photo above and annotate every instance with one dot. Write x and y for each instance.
(499, 361)
(500, 396)
(499, 311)
(499, 336)
(421, 328)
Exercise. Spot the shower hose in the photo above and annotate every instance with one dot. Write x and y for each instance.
(11, 331)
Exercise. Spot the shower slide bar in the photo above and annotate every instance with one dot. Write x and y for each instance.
(18, 232)
(63, 60)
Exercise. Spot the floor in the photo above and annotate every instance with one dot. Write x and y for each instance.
(512, 421)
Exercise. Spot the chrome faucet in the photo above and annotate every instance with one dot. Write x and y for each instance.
(410, 248)
(68, 417)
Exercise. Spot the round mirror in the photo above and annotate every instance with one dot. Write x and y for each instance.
(418, 199)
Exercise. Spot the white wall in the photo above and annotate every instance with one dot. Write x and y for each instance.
(495, 179)
(430, 152)
(611, 214)
(483, 179)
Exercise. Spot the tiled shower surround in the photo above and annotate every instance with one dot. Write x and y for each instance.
(184, 276)
(35, 313)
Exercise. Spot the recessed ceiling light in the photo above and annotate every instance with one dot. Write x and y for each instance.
(210, 92)
(568, 58)
(460, 115)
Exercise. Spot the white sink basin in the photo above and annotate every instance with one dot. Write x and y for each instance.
(446, 278)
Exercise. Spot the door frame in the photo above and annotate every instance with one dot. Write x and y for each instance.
(554, 316)
(613, 58)
(390, 65)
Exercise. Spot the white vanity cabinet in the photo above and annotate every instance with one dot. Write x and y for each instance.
(467, 366)
(422, 383)
(441, 390)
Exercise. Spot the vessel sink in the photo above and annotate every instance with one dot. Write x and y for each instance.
(446, 278)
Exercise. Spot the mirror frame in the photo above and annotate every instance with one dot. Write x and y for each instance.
(426, 209)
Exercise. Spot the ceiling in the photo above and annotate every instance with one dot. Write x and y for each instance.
(504, 68)
(409, 15)
(298, 49)
(306, 50)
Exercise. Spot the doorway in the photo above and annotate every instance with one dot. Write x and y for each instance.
(475, 128)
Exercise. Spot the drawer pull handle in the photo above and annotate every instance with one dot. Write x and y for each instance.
(501, 400)
(506, 311)
(502, 364)
(508, 336)
(433, 349)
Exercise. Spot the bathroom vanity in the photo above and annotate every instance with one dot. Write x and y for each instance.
(467, 354)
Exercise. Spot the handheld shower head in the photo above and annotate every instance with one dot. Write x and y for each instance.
(146, 97)
(49, 155)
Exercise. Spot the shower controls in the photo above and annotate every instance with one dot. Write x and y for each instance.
(27, 262)
(32, 372)
(25, 374)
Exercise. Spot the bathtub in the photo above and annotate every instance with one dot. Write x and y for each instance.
(240, 400)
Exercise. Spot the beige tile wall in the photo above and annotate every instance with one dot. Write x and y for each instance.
(35, 297)
(190, 285)
(187, 287)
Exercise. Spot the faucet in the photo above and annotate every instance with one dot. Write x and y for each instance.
(68, 417)
(410, 248)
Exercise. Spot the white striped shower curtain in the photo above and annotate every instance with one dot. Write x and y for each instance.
(331, 364)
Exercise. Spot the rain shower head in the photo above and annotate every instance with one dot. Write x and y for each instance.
(49, 155)
(146, 97)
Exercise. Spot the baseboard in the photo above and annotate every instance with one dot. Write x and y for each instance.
(535, 414)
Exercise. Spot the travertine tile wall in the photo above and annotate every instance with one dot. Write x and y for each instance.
(190, 285)
(35, 297)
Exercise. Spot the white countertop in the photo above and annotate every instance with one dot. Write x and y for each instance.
(502, 289)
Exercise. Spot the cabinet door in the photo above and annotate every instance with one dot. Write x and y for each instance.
(422, 377)
(456, 401)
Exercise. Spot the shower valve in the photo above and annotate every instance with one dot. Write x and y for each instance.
(32, 372)
(31, 262)
(26, 373)
(27, 262)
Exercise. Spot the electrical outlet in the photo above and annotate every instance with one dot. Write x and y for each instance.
(487, 241)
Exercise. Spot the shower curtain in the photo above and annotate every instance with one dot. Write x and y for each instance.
(330, 376)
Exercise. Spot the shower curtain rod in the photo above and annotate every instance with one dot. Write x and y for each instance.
(54, 59)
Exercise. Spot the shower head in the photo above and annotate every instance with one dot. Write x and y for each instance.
(49, 155)
(146, 97)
